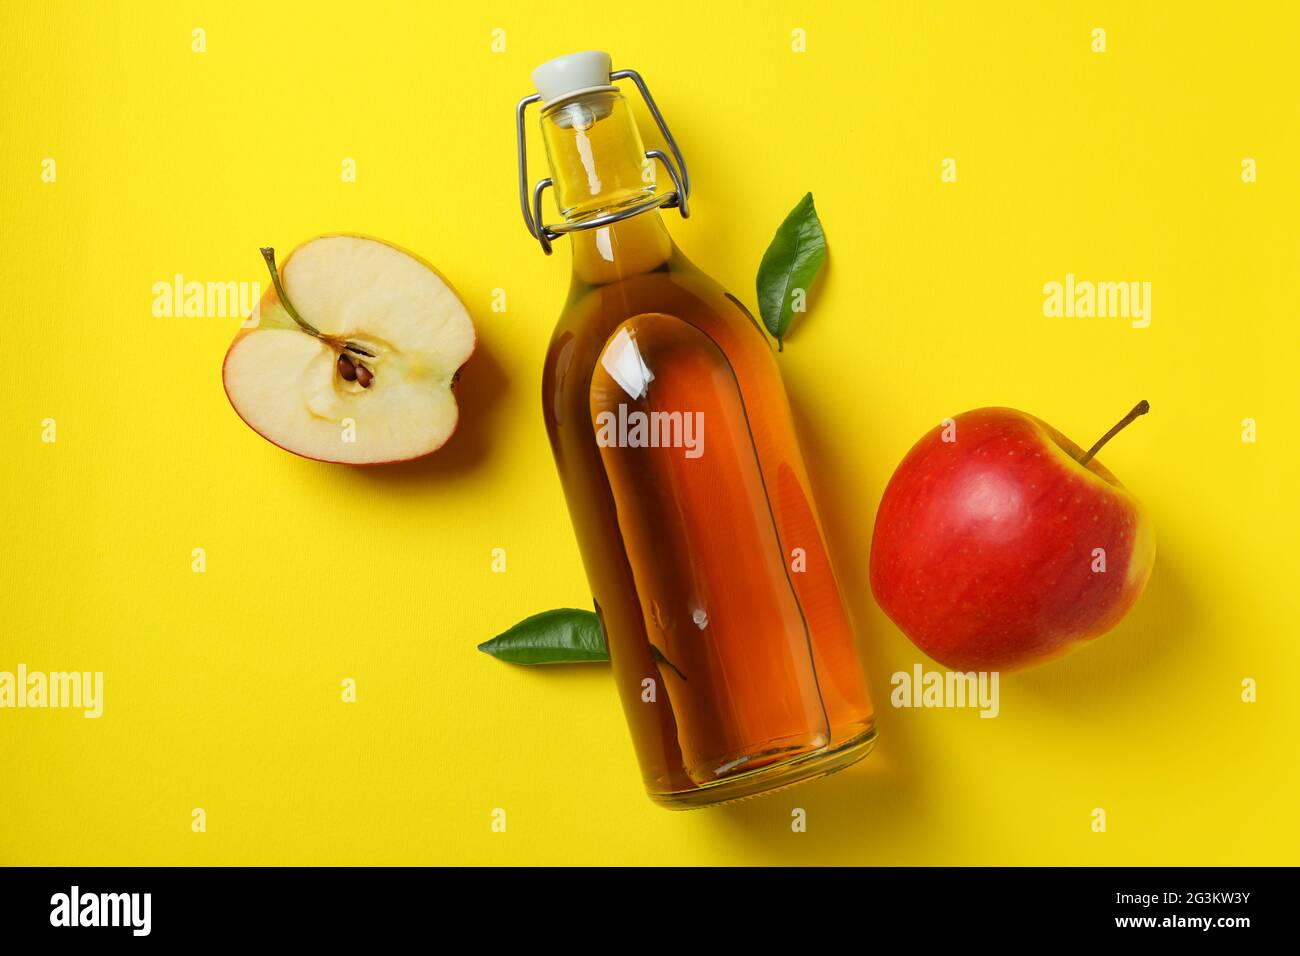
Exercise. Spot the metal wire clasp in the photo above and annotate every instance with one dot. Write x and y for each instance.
(531, 205)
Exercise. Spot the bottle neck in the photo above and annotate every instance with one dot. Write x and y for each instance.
(599, 166)
(621, 250)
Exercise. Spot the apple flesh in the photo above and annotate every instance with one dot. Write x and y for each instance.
(353, 359)
(1006, 544)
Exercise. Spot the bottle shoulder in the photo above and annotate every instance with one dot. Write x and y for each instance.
(676, 319)
(678, 289)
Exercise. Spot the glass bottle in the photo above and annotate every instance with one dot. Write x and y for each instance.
(675, 445)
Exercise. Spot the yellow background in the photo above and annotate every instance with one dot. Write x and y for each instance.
(223, 688)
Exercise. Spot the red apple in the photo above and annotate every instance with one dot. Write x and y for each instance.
(1000, 543)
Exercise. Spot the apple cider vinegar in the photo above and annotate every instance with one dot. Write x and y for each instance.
(728, 637)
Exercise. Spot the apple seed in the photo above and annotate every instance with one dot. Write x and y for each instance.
(347, 369)
(364, 375)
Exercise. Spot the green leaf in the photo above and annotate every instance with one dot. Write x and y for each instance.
(562, 636)
(789, 266)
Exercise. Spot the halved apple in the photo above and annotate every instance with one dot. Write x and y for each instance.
(354, 356)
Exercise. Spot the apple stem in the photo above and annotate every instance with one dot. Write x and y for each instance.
(268, 254)
(1141, 408)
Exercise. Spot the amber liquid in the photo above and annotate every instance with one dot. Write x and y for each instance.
(729, 641)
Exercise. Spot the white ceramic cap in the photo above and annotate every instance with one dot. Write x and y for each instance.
(568, 74)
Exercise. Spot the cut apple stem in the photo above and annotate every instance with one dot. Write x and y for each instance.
(1141, 408)
(348, 370)
(269, 255)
